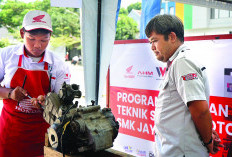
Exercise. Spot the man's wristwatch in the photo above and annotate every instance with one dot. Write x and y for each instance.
(210, 141)
(9, 94)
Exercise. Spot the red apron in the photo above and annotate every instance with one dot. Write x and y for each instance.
(22, 127)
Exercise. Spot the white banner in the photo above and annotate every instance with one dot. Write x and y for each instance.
(135, 75)
(67, 3)
(89, 43)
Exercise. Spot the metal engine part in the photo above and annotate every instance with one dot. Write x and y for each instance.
(78, 129)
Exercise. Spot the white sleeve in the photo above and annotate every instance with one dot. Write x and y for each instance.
(62, 75)
(2, 65)
(189, 80)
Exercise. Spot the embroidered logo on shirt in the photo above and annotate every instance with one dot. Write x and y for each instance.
(67, 76)
(26, 107)
(190, 76)
(50, 69)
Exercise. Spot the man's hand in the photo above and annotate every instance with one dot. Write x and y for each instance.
(41, 99)
(18, 94)
(216, 141)
(210, 148)
(213, 147)
(38, 102)
(203, 121)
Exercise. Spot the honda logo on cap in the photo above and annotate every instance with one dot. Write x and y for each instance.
(38, 19)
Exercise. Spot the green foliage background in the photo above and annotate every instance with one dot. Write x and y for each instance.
(4, 42)
(65, 21)
(126, 26)
(136, 6)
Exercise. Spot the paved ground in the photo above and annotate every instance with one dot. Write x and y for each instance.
(77, 77)
(77, 74)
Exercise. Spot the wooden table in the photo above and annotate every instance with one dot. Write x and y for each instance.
(49, 152)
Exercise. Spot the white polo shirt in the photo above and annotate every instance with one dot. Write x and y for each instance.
(9, 58)
(185, 81)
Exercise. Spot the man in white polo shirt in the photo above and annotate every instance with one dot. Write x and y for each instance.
(28, 69)
(183, 123)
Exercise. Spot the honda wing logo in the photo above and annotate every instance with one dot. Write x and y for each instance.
(38, 19)
(128, 70)
(129, 73)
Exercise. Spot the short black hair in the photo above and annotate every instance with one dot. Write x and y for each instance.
(165, 24)
(37, 31)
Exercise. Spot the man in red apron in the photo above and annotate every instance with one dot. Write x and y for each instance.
(28, 69)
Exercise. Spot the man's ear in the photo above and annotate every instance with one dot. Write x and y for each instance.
(22, 33)
(173, 36)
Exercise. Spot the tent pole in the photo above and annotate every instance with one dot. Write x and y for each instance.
(98, 51)
(108, 88)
